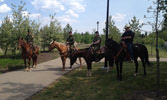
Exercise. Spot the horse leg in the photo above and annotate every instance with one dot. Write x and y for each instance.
(63, 62)
(29, 62)
(25, 63)
(89, 67)
(33, 62)
(142, 60)
(117, 65)
(80, 61)
(120, 77)
(111, 64)
(136, 64)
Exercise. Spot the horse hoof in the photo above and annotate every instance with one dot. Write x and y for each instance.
(135, 74)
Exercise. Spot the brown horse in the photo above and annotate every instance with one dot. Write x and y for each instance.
(27, 53)
(63, 51)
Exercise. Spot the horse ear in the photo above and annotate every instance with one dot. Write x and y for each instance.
(22, 38)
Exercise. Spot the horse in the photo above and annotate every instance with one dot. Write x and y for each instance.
(118, 54)
(88, 57)
(63, 51)
(28, 53)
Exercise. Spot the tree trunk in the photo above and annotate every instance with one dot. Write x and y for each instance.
(6, 49)
(157, 51)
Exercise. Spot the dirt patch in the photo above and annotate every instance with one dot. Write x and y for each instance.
(46, 56)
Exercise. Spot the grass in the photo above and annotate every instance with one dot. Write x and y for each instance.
(9, 64)
(162, 53)
(104, 86)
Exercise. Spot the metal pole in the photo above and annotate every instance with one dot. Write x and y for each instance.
(97, 25)
(105, 63)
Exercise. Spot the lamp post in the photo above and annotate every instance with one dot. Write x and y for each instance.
(97, 25)
(105, 62)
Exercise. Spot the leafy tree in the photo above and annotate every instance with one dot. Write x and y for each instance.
(51, 32)
(66, 30)
(163, 8)
(136, 28)
(113, 30)
(20, 22)
(6, 35)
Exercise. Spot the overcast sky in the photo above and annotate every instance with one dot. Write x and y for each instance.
(82, 15)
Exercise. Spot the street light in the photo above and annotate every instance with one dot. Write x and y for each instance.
(97, 25)
(105, 62)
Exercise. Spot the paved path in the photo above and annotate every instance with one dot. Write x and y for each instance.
(19, 85)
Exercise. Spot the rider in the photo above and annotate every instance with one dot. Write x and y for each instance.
(96, 45)
(70, 42)
(29, 39)
(127, 38)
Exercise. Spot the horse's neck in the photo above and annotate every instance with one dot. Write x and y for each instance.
(57, 45)
(25, 47)
(117, 47)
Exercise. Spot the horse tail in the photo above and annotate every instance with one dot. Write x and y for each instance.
(147, 57)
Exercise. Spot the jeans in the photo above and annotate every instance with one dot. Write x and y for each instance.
(130, 49)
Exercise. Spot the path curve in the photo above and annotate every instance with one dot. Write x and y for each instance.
(19, 85)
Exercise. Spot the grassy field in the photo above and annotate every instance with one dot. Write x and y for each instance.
(162, 53)
(104, 86)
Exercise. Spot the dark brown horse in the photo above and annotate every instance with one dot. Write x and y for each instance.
(117, 53)
(88, 56)
(28, 53)
(63, 51)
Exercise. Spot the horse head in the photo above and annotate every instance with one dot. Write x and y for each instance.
(20, 43)
(109, 43)
(51, 46)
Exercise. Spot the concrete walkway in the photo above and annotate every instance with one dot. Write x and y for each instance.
(19, 85)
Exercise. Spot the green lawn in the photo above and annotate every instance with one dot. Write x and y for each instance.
(104, 86)
(162, 53)
(7, 64)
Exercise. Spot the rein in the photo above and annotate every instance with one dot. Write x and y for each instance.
(115, 57)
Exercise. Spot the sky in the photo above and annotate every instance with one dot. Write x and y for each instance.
(82, 15)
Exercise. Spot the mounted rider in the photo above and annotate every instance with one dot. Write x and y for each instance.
(70, 42)
(96, 45)
(29, 40)
(127, 38)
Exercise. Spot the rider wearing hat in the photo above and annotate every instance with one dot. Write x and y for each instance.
(29, 39)
(127, 38)
(70, 42)
(96, 45)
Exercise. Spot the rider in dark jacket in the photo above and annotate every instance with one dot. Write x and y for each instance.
(70, 42)
(127, 38)
(29, 39)
(96, 45)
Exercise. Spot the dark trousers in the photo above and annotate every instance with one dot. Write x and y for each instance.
(130, 49)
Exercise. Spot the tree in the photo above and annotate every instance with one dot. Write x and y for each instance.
(66, 30)
(163, 8)
(113, 30)
(51, 32)
(6, 35)
(136, 28)
(20, 22)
